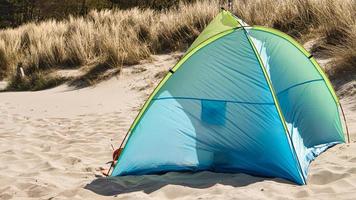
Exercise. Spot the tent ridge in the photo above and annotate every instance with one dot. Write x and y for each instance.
(224, 21)
(295, 85)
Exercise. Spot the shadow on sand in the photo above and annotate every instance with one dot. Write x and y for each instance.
(149, 183)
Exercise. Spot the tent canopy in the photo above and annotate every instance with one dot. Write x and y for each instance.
(244, 99)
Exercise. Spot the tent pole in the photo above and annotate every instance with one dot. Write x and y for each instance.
(276, 103)
(347, 129)
(116, 157)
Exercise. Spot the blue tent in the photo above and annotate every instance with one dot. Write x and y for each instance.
(243, 99)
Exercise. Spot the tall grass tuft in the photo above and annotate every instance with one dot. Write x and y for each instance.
(4, 62)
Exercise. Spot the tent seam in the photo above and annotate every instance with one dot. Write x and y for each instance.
(299, 84)
(217, 100)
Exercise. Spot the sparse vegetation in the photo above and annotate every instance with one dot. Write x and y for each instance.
(37, 81)
(108, 39)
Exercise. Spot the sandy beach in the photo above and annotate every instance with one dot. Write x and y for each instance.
(54, 142)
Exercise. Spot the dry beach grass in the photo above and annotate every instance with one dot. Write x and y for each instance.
(109, 39)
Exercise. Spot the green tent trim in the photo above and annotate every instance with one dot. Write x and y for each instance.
(224, 21)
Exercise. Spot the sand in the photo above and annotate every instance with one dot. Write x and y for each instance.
(53, 143)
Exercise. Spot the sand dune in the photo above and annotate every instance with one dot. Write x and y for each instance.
(53, 142)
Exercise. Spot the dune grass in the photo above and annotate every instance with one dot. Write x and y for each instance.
(109, 39)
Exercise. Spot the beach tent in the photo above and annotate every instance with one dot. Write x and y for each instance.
(243, 99)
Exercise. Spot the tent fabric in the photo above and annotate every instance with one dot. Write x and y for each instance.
(283, 39)
(299, 89)
(242, 100)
